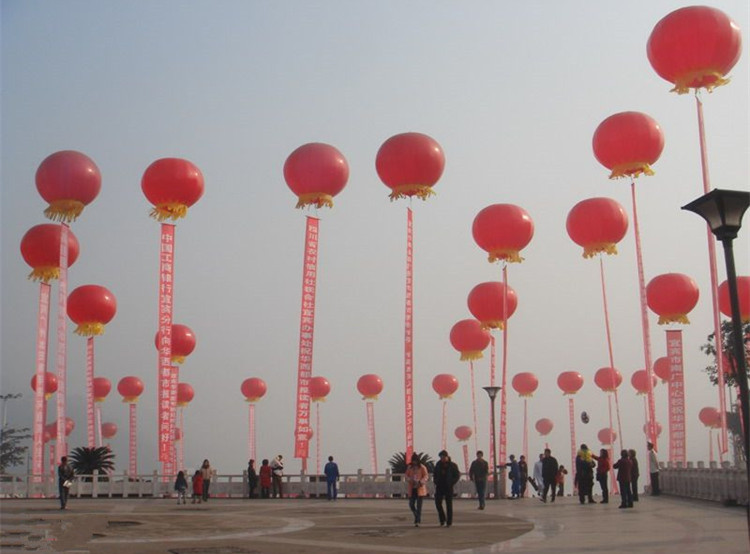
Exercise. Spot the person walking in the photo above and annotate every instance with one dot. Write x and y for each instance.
(515, 477)
(445, 475)
(277, 473)
(416, 483)
(65, 475)
(635, 472)
(265, 479)
(602, 473)
(523, 471)
(181, 485)
(331, 471)
(623, 467)
(206, 473)
(549, 474)
(197, 486)
(653, 469)
(585, 475)
(537, 480)
(561, 473)
(478, 472)
(252, 479)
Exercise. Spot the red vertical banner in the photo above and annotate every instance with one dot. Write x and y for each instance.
(166, 274)
(133, 445)
(62, 352)
(42, 332)
(504, 383)
(90, 415)
(465, 448)
(474, 404)
(174, 379)
(371, 434)
(181, 451)
(409, 336)
(98, 423)
(572, 416)
(493, 370)
(306, 333)
(676, 397)
(251, 431)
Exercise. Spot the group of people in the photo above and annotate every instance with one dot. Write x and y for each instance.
(201, 483)
(548, 476)
(269, 476)
(445, 475)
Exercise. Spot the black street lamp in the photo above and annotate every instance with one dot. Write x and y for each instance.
(492, 393)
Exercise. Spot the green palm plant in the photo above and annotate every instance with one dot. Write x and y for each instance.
(398, 462)
(85, 460)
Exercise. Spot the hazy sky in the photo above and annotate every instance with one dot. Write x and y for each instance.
(513, 92)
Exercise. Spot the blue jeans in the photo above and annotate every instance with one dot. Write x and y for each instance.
(415, 505)
(331, 490)
(481, 491)
(515, 488)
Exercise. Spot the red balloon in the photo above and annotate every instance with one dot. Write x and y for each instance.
(50, 384)
(639, 380)
(68, 181)
(319, 389)
(607, 436)
(91, 307)
(172, 185)
(525, 383)
(370, 386)
(410, 164)
(316, 172)
(570, 382)
(253, 389)
(489, 301)
(102, 386)
(544, 426)
(185, 394)
(463, 432)
(671, 296)
(130, 388)
(109, 430)
(503, 230)
(445, 385)
(608, 379)
(694, 47)
(183, 342)
(468, 337)
(40, 248)
(743, 293)
(710, 417)
(628, 143)
(597, 224)
(662, 369)
(658, 429)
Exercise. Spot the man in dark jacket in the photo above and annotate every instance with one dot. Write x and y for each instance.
(549, 474)
(445, 475)
(624, 468)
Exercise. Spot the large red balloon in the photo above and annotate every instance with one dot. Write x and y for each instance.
(463, 432)
(50, 384)
(410, 164)
(671, 296)
(639, 380)
(525, 383)
(370, 386)
(743, 293)
(40, 248)
(316, 172)
(607, 436)
(570, 382)
(101, 386)
(597, 224)
(657, 429)
(694, 47)
(608, 379)
(468, 337)
(109, 430)
(710, 417)
(489, 301)
(172, 185)
(68, 181)
(503, 230)
(253, 389)
(445, 385)
(183, 342)
(319, 388)
(185, 394)
(130, 388)
(628, 143)
(544, 426)
(662, 369)
(91, 307)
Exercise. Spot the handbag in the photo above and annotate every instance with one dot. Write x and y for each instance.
(68, 483)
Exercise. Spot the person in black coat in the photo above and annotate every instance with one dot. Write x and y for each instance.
(252, 479)
(445, 475)
(549, 474)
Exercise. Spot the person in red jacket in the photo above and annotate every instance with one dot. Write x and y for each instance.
(197, 486)
(265, 479)
(602, 473)
(624, 469)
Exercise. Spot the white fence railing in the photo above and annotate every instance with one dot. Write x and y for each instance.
(718, 483)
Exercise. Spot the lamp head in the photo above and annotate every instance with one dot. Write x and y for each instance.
(492, 391)
(722, 210)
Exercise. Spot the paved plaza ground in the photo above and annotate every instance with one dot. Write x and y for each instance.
(292, 526)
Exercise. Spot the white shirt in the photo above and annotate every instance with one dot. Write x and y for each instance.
(538, 472)
(653, 463)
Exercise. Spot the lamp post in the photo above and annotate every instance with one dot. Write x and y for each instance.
(492, 393)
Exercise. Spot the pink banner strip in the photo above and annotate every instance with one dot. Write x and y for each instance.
(181, 452)
(474, 404)
(317, 437)
(525, 445)
(42, 334)
(677, 431)
(409, 336)
(90, 423)
(465, 448)
(98, 420)
(306, 334)
(251, 431)
(504, 383)
(572, 416)
(62, 355)
(173, 382)
(371, 433)
(444, 427)
(133, 445)
(166, 291)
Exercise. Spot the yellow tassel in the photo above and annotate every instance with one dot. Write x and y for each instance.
(45, 274)
(169, 210)
(252, 399)
(674, 318)
(99, 399)
(682, 85)
(64, 210)
(318, 399)
(471, 355)
(317, 199)
(526, 395)
(493, 324)
(505, 254)
(90, 329)
(178, 359)
(406, 191)
(48, 395)
(445, 396)
(370, 397)
(130, 399)
(632, 169)
(592, 250)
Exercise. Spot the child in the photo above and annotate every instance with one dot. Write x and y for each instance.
(265, 479)
(561, 473)
(197, 486)
(180, 485)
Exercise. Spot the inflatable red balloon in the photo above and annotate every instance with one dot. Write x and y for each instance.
(68, 181)
(597, 224)
(91, 307)
(662, 369)
(319, 389)
(525, 383)
(657, 428)
(183, 342)
(172, 185)
(694, 47)
(488, 302)
(101, 386)
(628, 143)
(410, 164)
(743, 293)
(130, 388)
(468, 337)
(370, 386)
(710, 417)
(463, 432)
(444, 385)
(672, 296)
(570, 382)
(50, 384)
(40, 248)
(185, 394)
(544, 426)
(316, 172)
(253, 389)
(608, 379)
(109, 430)
(639, 380)
(607, 436)
(503, 230)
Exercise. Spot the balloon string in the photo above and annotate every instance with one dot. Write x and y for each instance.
(610, 350)
(474, 403)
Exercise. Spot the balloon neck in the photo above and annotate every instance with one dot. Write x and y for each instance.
(169, 210)
(64, 210)
(471, 355)
(317, 199)
(90, 329)
(422, 192)
(45, 274)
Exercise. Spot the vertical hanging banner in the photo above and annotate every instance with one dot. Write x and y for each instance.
(98, 423)
(251, 431)
(504, 383)
(371, 434)
(306, 333)
(164, 383)
(409, 336)
(62, 329)
(181, 452)
(42, 331)
(173, 381)
(572, 416)
(133, 450)
(90, 415)
(676, 397)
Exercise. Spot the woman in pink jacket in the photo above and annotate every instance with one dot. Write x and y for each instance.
(416, 481)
